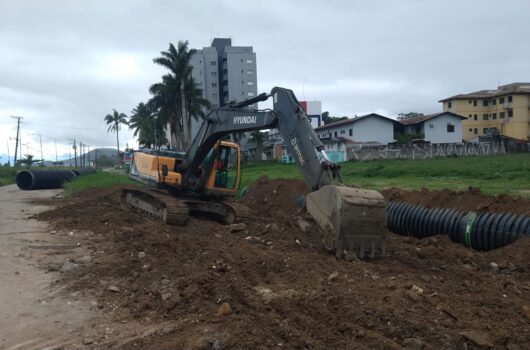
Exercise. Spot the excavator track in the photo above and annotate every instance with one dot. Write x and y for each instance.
(176, 211)
(242, 212)
(163, 206)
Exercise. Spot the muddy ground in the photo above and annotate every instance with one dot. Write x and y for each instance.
(267, 284)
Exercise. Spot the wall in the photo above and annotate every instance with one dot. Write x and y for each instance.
(436, 129)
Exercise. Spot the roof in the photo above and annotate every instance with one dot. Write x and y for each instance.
(353, 120)
(424, 118)
(509, 89)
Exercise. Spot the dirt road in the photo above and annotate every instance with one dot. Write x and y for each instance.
(36, 312)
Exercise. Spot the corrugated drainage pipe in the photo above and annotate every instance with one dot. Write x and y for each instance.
(484, 231)
(43, 179)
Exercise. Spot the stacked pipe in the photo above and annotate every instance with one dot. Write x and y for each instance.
(484, 231)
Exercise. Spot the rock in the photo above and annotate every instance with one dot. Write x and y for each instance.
(413, 344)
(416, 290)
(112, 288)
(265, 293)
(54, 267)
(87, 341)
(304, 225)
(494, 267)
(478, 338)
(224, 310)
(68, 266)
(141, 255)
(525, 311)
(170, 301)
(333, 276)
(84, 259)
(412, 296)
(237, 227)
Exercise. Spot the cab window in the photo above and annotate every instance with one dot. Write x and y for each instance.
(226, 167)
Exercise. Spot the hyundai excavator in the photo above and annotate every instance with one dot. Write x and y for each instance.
(203, 179)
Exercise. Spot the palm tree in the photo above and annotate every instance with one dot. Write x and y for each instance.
(114, 121)
(147, 126)
(177, 98)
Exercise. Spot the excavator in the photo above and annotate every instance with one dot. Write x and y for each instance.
(205, 179)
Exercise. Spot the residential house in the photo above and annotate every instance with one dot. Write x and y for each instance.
(373, 128)
(445, 127)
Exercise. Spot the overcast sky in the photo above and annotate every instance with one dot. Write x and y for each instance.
(65, 64)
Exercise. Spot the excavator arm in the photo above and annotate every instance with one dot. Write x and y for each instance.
(287, 116)
(355, 217)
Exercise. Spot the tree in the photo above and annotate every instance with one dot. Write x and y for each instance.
(177, 98)
(147, 126)
(409, 115)
(327, 119)
(28, 161)
(114, 121)
(259, 138)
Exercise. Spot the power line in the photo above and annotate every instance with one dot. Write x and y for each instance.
(64, 127)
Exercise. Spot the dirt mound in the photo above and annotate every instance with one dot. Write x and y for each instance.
(266, 286)
(470, 200)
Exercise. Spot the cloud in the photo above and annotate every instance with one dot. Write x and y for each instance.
(66, 64)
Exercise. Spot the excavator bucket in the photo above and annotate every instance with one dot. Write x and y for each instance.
(355, 217)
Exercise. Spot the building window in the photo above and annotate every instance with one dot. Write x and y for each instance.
(250, 72)
(501, 115)
(249, 61)
(485, 117)
(250, 94)
(485, 103)
(213, 74)
(475, 103)
(475, 131)
(351, 132)
(450, 128)
(494, 116)
(485, 130)
(475, 117)
(470, 116)
(335, 134)
(510, 113)
(510, 98)
(250, 83)
(470, 129)
(214, 84)
(213, 63)
(342, 132)
(494, 101)
(501, 100)
(469, 101)
(449, 104)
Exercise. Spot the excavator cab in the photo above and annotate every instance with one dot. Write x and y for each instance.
(225, 172)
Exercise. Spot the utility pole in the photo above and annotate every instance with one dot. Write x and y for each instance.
(16, 145)
(8, 155)
(69, 156)
(96, 158)
(75, 153)
(80, 154)
(41, 154)
(56, 161)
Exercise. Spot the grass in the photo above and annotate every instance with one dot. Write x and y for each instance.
(8, 175)
(98, 179)
(508, 174)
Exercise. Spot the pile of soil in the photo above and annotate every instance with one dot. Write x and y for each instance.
(470, 200)
(266, 285)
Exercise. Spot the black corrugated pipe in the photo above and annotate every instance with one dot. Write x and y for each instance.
(43, 179)
(484, 231)
(84, 171)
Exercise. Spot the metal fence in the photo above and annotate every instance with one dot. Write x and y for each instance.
(362, 152)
